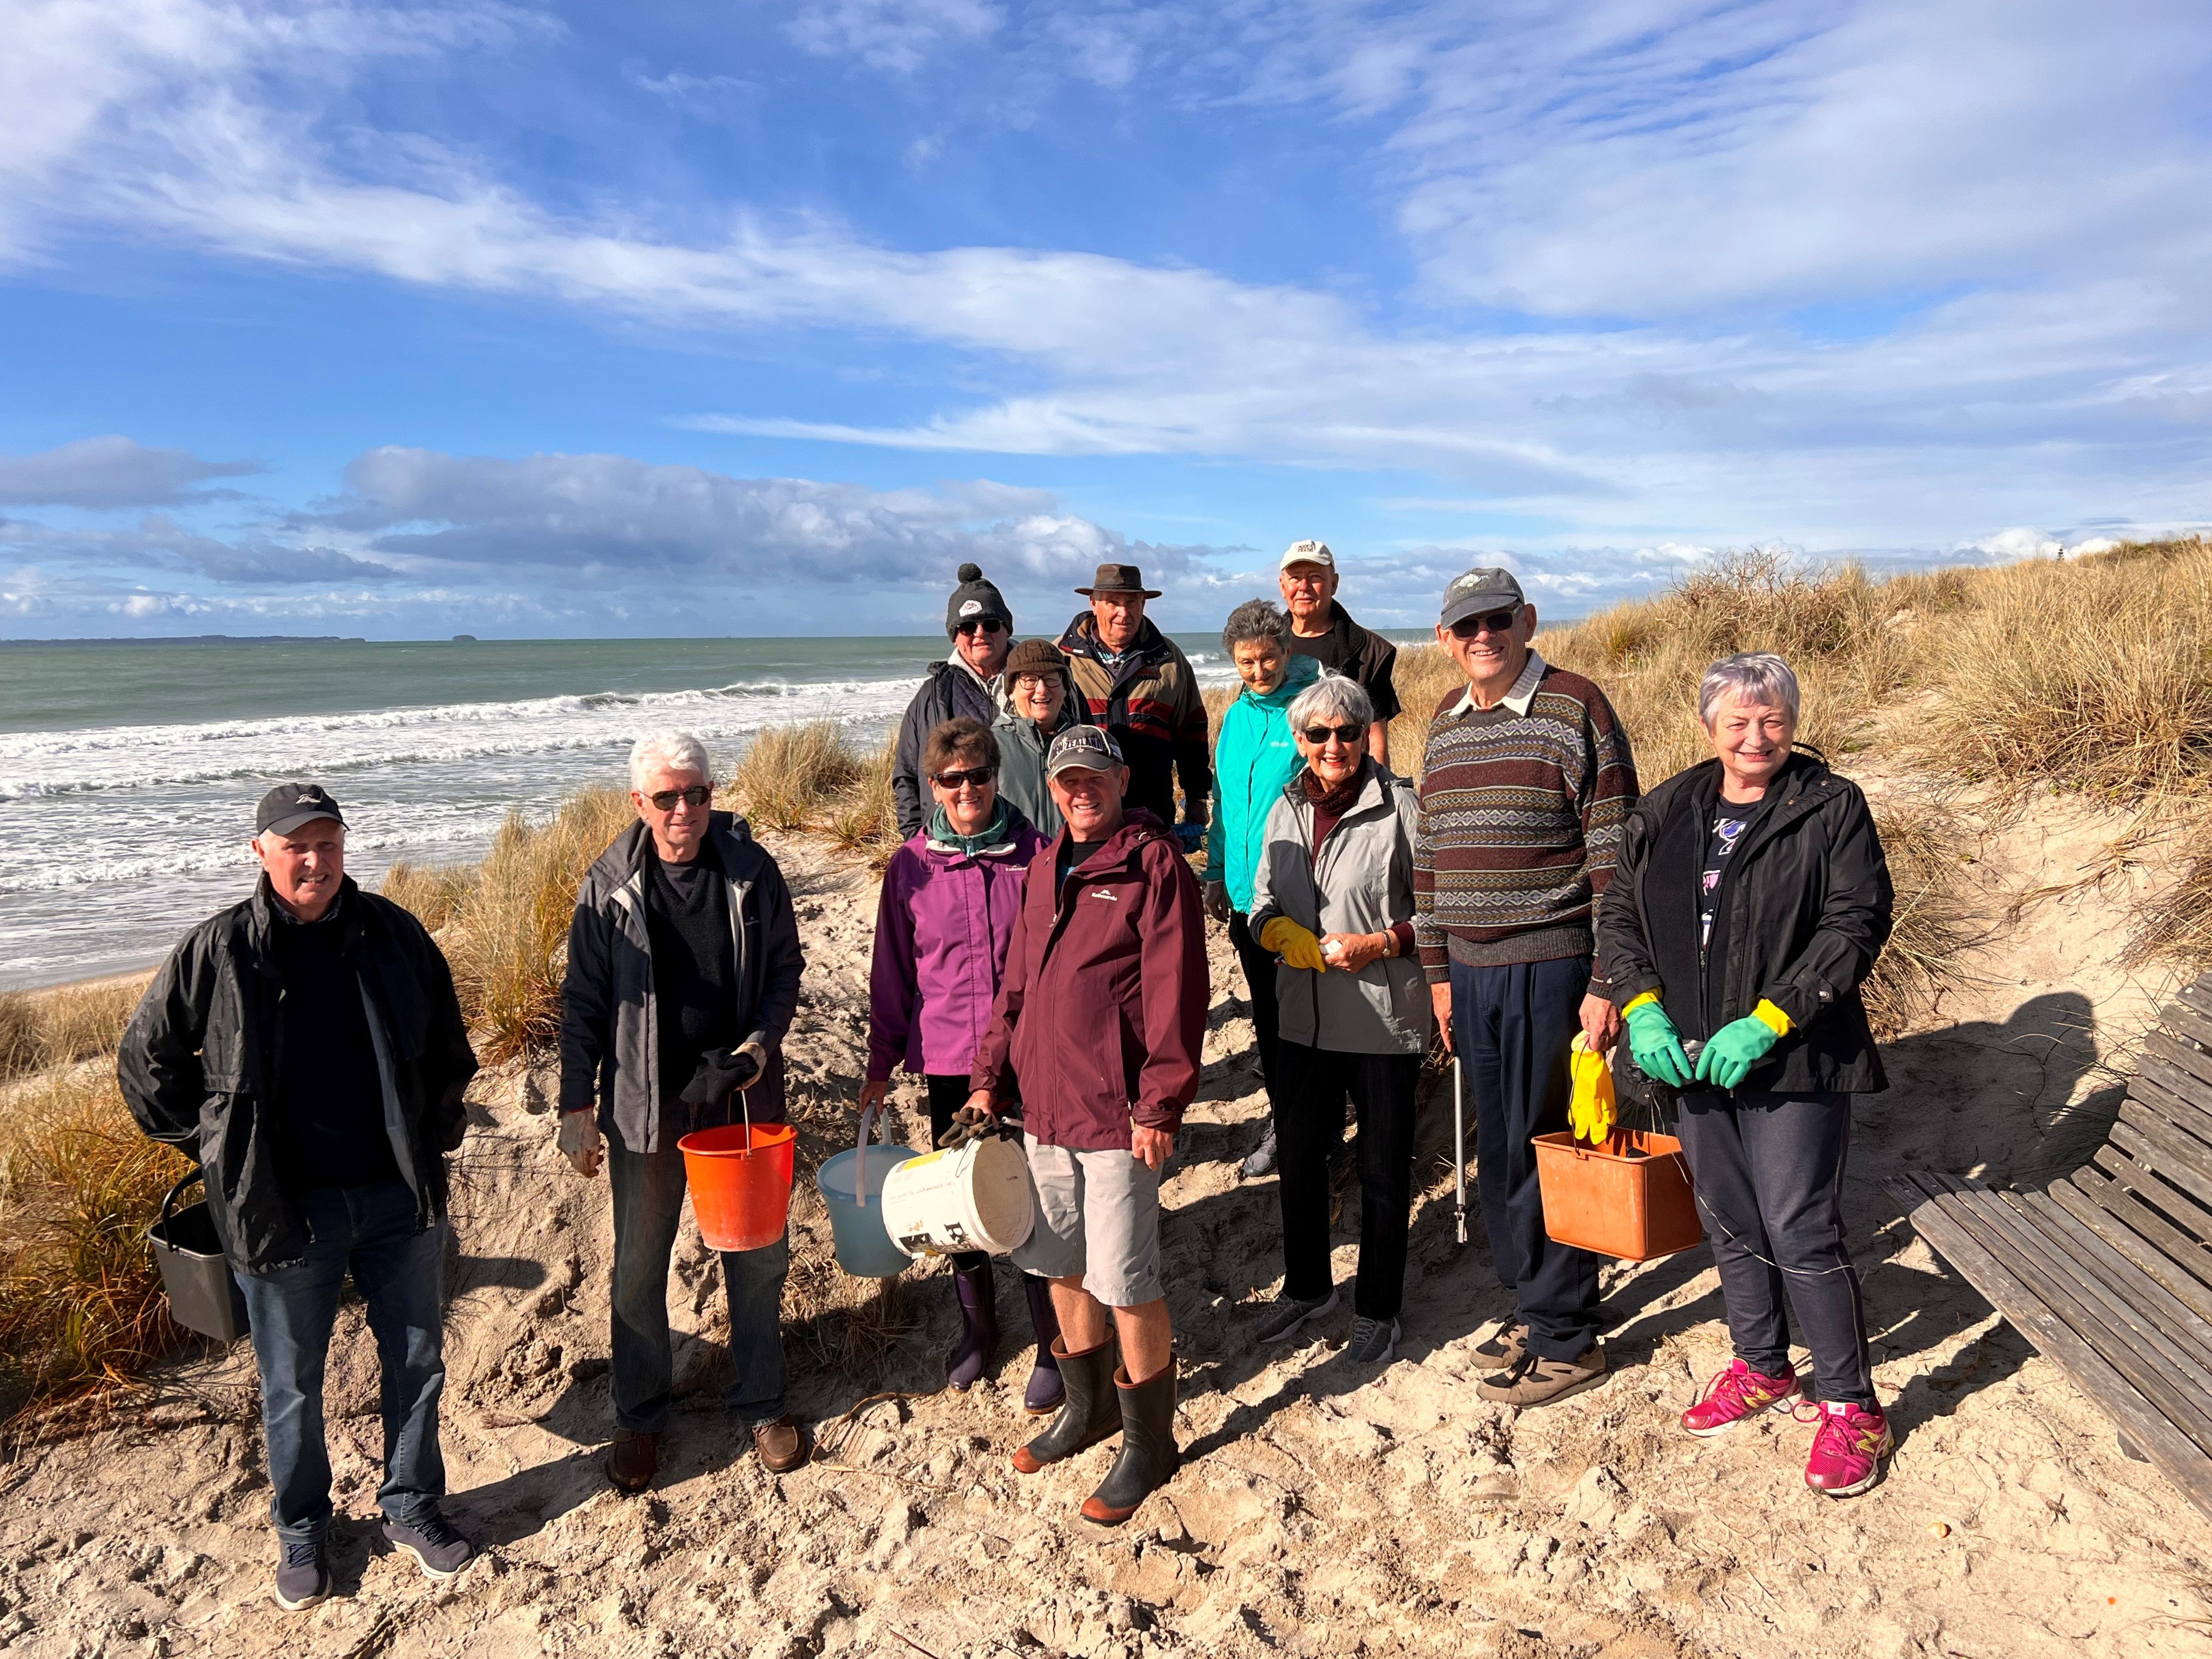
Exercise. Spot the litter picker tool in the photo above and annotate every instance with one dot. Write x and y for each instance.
(1459, 1144)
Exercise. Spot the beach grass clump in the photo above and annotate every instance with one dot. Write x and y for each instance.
(508, 939)
(794, 775)
(81, 1301)
(863, 817)
(42, 1029)
(434, 892)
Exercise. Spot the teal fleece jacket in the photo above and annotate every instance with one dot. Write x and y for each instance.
(1256, 755)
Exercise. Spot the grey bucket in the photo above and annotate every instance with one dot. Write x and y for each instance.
(203, 1295)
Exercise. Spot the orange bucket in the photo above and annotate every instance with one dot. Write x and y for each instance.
(740, 1176)
(1605, 1199)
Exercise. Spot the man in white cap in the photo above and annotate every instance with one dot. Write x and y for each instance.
(1322, 629)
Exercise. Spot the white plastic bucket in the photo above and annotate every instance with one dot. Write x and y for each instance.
(974, 1197)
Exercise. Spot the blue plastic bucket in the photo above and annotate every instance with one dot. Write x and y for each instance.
(852, 1185)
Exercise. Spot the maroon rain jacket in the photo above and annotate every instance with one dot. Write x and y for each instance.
(1101, 1013)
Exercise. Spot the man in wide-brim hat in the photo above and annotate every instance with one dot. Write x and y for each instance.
(1136, 682)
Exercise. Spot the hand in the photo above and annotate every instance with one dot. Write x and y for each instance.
(874, 1092)
(1355, 950)
(1151, 1148)
(1217, 899)
(1600, 1022)
(1295, 944)
(1440, 1000)
(981, 1101)
(1735, 1050)
(580, 1142)
(1657, 1046)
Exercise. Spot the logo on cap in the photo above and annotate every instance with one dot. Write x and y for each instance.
(973, 607)
(1091, 746)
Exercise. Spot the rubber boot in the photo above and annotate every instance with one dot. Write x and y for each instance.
(979, 1326)
(1148, 1454)
(1046, 1390)
(1088, 1413)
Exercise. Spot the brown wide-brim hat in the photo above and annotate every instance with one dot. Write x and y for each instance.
(1119, 579)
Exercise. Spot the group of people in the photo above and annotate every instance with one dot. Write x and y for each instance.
(1040, 965)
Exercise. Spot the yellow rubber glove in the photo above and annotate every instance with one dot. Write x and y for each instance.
(1591, 1110)
(1294, 944)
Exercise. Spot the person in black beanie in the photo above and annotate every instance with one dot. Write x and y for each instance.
(966, 683)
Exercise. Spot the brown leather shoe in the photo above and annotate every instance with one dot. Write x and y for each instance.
(633, 1460)
(782, 1444)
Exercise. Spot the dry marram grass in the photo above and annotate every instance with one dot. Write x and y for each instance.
(66, 1023)
(792, 774)
(434, 892)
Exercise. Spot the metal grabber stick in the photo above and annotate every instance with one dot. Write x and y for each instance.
(1459, 1143)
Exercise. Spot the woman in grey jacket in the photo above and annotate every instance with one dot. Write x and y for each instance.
(1333, 899)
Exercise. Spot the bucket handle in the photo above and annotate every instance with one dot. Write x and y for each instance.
(860, 1157)
(195, 1173)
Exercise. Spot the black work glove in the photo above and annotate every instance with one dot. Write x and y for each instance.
(721, 1073)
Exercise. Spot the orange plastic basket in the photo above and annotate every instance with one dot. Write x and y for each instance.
(1599, 1199)
(740, 1178)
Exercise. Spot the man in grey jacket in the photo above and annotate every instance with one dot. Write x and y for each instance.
(683, 977)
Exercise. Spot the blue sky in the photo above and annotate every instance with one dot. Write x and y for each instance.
(761, 318)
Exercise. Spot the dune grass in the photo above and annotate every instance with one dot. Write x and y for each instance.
(43, 1029)
(434, 892)
(793, 775)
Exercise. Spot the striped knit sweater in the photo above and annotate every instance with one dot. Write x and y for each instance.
(1521, 816)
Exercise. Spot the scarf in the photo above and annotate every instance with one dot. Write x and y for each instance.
(1335, 802)
(942, 834)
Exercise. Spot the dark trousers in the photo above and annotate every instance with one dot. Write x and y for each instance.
(1769, 1172)
(369, 1232)
(1259, 966)
(1309, 1128)
(1512, 1026)
(947, 1095)
(648, 1199)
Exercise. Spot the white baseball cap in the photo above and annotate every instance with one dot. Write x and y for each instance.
(1308, 553)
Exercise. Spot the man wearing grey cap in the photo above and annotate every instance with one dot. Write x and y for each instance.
(1526, 788)
(1323, 629)
(306, 1047)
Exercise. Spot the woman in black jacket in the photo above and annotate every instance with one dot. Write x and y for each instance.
(1750, 901)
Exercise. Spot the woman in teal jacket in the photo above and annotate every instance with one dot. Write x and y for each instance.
(1255, 757)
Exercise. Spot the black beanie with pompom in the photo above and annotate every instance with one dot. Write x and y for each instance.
(975, 598)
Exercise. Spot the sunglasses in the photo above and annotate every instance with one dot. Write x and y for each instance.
(1318, 735)
(664, 800)
(982, 625)
(1498, 622)
(978, 775)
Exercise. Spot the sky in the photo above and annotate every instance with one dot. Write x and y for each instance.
(761, 318)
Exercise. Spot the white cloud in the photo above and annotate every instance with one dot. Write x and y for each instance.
(111, 471)
(898, 35)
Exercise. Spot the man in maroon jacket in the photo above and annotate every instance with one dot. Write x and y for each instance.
(1102, 1016)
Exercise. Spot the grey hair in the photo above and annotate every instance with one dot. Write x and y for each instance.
(667, 751)
(1332, 694)
(1256, 619)
(1758, 677)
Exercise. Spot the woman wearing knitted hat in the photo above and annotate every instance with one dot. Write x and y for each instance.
(1040, 694)
(965, 685)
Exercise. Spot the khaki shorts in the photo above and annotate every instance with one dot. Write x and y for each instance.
(1098, 1214)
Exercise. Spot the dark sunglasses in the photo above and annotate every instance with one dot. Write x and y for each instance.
(1318, 735)
(983, 625)
(978, 775)
(1498, 622)
(664, 800)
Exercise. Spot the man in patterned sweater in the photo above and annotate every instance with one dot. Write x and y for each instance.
(1525, 787)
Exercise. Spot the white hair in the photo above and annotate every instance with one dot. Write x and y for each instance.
(1332, 694)
(1753, 676)
(667, 751)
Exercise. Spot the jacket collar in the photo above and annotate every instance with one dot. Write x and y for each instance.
(263, 915)
(1082, 635)
(1302, 672)
(1341, 622)
(728, 832)
(1138, 827)
(1801, 785)
(1008, 840)
(1373, 793)
(1518, 699)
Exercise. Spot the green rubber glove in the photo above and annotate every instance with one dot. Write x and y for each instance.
(1736, 1049)
(1657, 1046)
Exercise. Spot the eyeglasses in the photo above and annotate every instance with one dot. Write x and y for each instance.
(664, 800)
(981, 625)
(1036, 682)
(1498, 622)
(1318, 735)
(978, 775)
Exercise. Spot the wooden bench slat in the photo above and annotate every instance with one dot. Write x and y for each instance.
(2165, 1152)
(2173, 1455)
(2192, 1067)
(2064, 1291)
(2153, 1086)
(2187, 1021)
(2156, 1310)
(2154, 1189)
(2155, 1244)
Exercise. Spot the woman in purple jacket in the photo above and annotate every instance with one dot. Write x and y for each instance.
(947, 910)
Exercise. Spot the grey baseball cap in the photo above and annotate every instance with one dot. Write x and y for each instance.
(1484, 589)
(288, 806)
(1091, 746)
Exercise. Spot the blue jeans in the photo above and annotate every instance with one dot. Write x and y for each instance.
(648, 1194)
(370, 1231)
(1512, 1026)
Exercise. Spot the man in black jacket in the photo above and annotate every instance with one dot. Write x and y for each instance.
(966, 684)
(306, 1046)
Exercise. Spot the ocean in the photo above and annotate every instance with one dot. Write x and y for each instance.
(129, 771)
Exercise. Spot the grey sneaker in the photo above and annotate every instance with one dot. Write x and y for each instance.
(1262, 1161)
(1286, 1315)
(303, 1576)
(1372, 1342)
(433, 1542)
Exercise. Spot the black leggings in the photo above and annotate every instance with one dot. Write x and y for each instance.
(1309, 1127)
(1259, 964)
(947, 1095)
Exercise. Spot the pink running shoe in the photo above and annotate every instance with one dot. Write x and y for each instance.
(1735, 1394)
(1847, 1449)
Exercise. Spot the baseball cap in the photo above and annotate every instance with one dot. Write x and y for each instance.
(1091, 746)
(288, 806)
(1483, 589)
(1308, 553)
